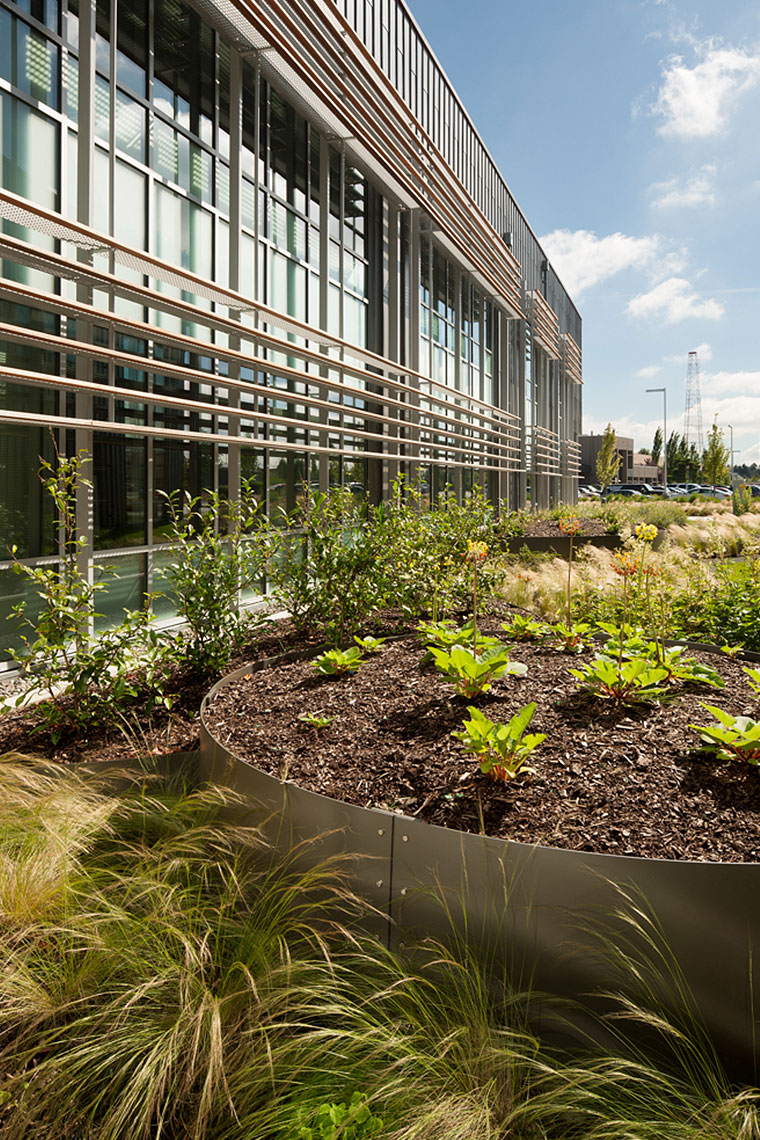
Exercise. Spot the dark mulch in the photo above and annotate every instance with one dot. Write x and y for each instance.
(549, 528)
(143, 732)
(625, 782)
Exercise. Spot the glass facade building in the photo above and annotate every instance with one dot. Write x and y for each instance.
(258, 241)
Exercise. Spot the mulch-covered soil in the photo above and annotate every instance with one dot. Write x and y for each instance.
(620, 781)
(140, 731)
(549, 528)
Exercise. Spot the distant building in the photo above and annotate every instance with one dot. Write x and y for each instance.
(634, 467)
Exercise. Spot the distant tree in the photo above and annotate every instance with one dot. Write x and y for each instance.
(657, 446)
(695, 463)
(608, 460)
(715, 458)
(645, 451)
(676, 458)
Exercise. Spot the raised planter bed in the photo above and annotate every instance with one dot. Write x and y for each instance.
(560, 544)
(527, 903)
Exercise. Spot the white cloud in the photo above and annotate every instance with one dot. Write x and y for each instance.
(674, 300)
(697, 189)
(741, 384)
(640, 431)
(648, 372)
(704, 350)
(694, 102)
(582, 259)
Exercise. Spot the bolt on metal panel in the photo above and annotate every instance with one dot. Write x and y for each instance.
(537, 912)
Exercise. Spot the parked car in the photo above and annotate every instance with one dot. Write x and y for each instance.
(627, 490)
(714, 492)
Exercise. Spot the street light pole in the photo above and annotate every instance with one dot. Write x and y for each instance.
(664, 435)
(731, 465)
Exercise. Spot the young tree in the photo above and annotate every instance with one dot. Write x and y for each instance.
(608, 460)
(676, 458)
(695, 462)
(715, 458)
(657, 446)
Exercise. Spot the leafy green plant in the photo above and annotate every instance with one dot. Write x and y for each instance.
(623, 681)
(472, 675)
(629, 644)
(324, 562)
(735, 737)
(741, 499)
(424, 548)
(570, 638)
(753, 678)
(446, 634)
(84, 679)
(732, 651)
(352, 1121)
(337, 662)
(370, 644)
(502, 749)
(524, 628)
(316, 720)
(216, 553)
(681, 668)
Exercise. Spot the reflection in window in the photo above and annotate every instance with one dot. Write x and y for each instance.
(119, 491)
(130, 127)
(132, 44)
(184, 68)
(123, 588)
(178, 469)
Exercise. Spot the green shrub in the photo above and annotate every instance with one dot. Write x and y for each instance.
(324, 564)
(85, 680)
(216, 553)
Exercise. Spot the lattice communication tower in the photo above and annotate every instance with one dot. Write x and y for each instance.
(692, 418)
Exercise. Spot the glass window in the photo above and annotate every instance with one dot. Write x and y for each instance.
(129, 205)
(130, 127)
(177, 469)
(132, 44)
(287, 152)
(13, 590)
(101, 198)
(184, 233)
(36, 70)
(6, 40)
(119, 491)
(72, 88)
(102, 109)
(26, 510)
(355, 320)
(102, 36)
(29, 144)
(185, 67)
(43, 11)
(123, 582)
(164, 150)
(247, 203)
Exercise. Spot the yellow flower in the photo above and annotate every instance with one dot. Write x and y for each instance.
(476, 551)
(646, 532)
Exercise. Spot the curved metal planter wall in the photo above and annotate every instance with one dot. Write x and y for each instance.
(525, 905)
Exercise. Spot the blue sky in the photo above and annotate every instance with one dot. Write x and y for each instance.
(629, 133)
